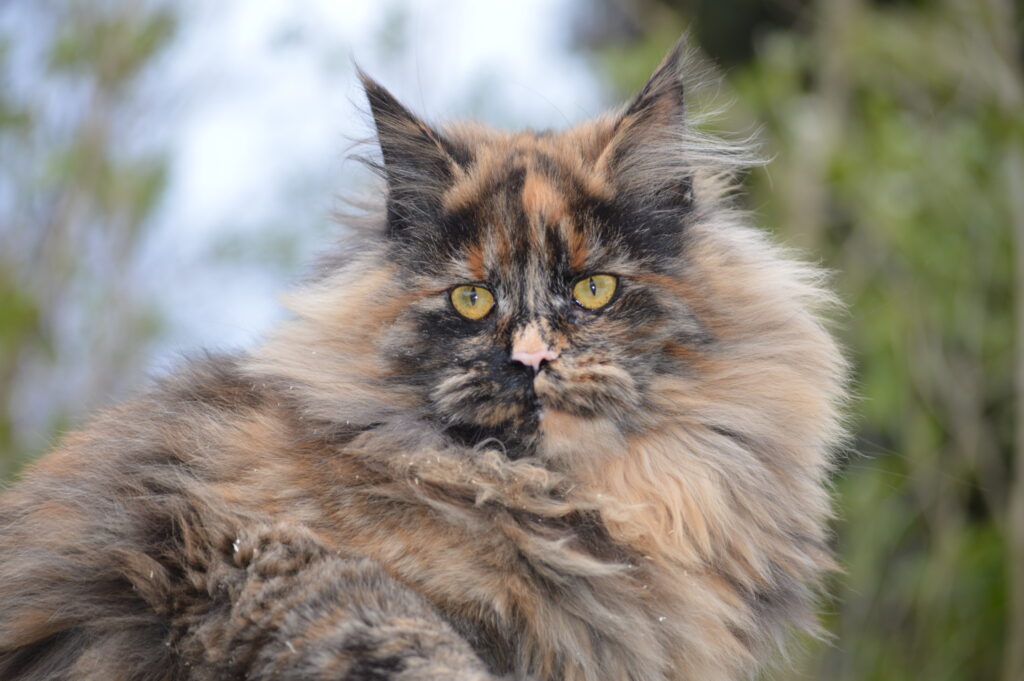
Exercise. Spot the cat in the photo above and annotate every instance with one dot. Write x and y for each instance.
(561, 415)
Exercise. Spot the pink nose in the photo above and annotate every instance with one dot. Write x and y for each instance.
(534, 359)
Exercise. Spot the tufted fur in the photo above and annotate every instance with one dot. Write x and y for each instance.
(378, 492)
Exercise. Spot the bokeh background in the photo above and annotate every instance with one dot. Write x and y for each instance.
(166, 168)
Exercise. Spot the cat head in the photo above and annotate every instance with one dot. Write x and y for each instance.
(536, 265)
(557, 293)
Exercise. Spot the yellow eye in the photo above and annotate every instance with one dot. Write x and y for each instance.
(594, 291)
(472, 302)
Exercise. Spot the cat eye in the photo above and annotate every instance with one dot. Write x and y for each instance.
(472, 302)
(595, 291)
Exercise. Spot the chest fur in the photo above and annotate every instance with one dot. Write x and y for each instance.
(551, 597)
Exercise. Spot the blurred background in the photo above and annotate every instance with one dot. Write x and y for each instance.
(166, 168)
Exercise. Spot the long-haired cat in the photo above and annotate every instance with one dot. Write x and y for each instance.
(561, 416)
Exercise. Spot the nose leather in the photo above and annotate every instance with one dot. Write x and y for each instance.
(533, 359)
(529, 348)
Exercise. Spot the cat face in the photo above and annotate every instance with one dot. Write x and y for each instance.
(541, 270)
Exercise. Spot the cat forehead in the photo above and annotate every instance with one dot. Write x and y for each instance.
(470, 195)
(524, 196)
(520, 205)
(547, 170)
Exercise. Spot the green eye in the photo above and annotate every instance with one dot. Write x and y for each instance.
(595, 291)
(472, 302)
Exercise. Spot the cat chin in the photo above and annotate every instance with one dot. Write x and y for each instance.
(568, 438)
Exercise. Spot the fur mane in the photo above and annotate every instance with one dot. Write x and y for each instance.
(718, 506)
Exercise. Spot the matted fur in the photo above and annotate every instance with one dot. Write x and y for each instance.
(379, 492)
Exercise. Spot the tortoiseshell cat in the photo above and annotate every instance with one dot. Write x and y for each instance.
(564, 416)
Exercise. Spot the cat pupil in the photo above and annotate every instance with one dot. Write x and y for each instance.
(472, 296)
(593, 287)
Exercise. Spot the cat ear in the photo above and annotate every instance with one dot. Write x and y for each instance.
(643, 155)
(419, 163)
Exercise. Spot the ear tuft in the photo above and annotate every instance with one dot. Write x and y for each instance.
(642, 156)
(662, 97)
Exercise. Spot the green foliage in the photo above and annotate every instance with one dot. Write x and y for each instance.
(111, 47)
(19, 326)
(75, 203)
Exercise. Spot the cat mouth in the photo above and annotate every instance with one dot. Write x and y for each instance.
(485, 401)
(478, 404)
(516, 436)
(587, 389)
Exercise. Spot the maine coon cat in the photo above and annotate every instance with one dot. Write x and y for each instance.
(561, 415)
